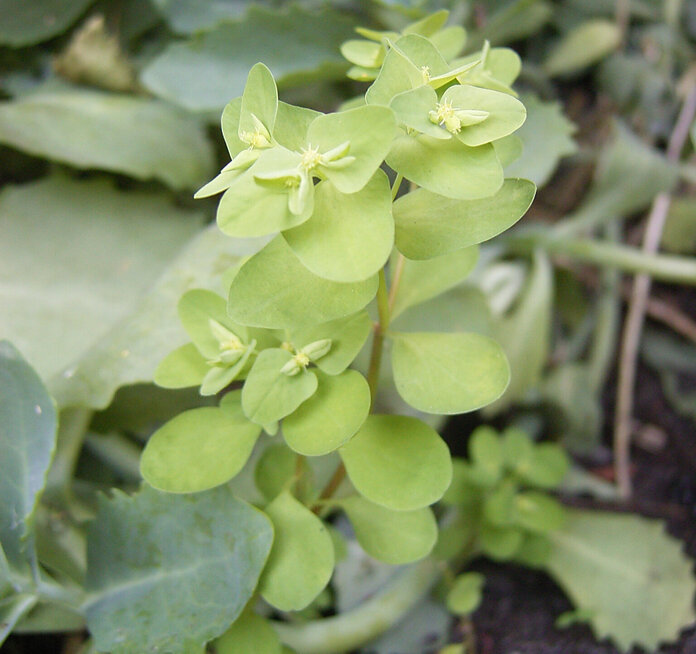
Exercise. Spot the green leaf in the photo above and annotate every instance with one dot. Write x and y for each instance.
(12, 609)
(505, 113)
(395, 537)
(27, 443)
(348, 335)
(260, 99)
(296, 43)
(518, 450)
(449, 167)
(182, 368)
(27, 23)
(302, 558)
(448, 373)
(546, 138)
(99, 252)
(398, 462)
(422, 280)
(199, 449)
(465, 594)
(499, 506)
(487, 455)
(139, 137)
(524, 332)
(273, 289)
(500, 543)
(196, 308)
(131, 350)
(534, 551)
(274, 470)
(249, 633)
(349, 237)
(583, 46)
(538, 512)
(251, 207)
(430, 225)
(269, 394)
(628, 573)
(170, 572)
(547, 467)
(331, 416)
(369, 130)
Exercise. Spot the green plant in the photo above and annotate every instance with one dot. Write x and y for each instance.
(324, 387)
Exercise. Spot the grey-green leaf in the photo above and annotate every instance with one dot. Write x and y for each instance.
(205, 72)
(100, 251)
(273, 289)
(26, 23)
(135, 136)
(169, 572)
(631, 575)
(131, 350)
(27, 443)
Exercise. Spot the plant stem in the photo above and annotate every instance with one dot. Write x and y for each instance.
(378, 338)
(666, 268)
(635, 318)
(349, 630)
(396, 185)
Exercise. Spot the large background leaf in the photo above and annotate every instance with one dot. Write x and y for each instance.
(209, 70)
(25, 22)
(125, 134)
(131, 350)
(74, 258)
(170, 572)
(627, 574)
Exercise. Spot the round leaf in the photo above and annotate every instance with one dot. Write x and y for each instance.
(181, 368)
(253, 208)
(331, 416)
(499, 543)
(398, 462)
(275, 468)
(269, 394)
(369, 130)
(196, 308)
(448, 373)
(348, 335)
(302, 558)
(538, 512)
(506, 113)
(198, 449)
(349, 237)
(395, 537)
(430, 225)
(487, 456)
(273, 289)
(465, 594)
(249, 633)
(449, 167)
